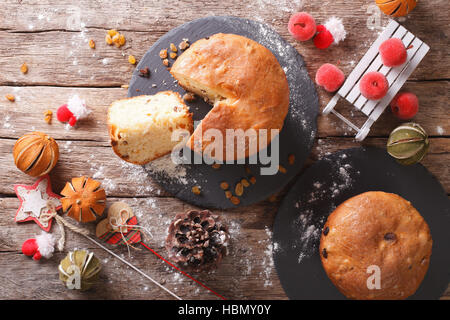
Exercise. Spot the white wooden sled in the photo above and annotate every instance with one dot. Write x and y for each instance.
(372, 62)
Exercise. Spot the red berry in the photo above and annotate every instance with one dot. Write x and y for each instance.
(330, 77)
(374, 85)
(405, 105)
(63, 113)
(302, 26)
(323, 38)
(393, 52)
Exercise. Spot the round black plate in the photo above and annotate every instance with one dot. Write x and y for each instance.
(329, 182)
(299, 129)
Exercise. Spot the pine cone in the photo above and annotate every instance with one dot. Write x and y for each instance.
(197, 240)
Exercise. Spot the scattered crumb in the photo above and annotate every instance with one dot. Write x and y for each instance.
(189, 97)
(184, 44)
(440, 130)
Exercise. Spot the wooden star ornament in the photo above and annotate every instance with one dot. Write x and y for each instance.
(35, 200)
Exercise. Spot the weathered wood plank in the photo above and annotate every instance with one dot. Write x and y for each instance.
(121, 179)
(246, 273)
(63, 58)
(27, 112)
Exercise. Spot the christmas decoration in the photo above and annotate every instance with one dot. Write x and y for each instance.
(374, 85)
(79, 270)
(35, 154)
(83, 199)
(396, 8)
(74, 110)
(302, 26)
(35, 201)
(408, 143)
(396, 77)
(197, 240)
(41, 246)
(120, 226)
(393, 52)
(332, 31)
(405, 105)
(330, 77)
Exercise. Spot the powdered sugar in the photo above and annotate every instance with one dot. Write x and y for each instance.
(166, 167)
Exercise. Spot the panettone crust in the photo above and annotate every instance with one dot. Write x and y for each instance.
(376, 229)
(245, 83)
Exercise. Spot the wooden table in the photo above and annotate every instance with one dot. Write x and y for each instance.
(51, 37)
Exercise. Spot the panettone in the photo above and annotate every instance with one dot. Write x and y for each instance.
(245, 84)
(141, 127)
(376, 229)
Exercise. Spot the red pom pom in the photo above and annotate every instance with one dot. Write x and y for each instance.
(29, 247)
(330, 77)
(405, 105)
(323, 38)
(37, 256)
(302, 26)
(393, 52)
(63, 113)
(374, 85)
(72, 121)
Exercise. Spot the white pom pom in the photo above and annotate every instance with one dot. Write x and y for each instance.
(78, 107)
(336, 28)
(46, 244)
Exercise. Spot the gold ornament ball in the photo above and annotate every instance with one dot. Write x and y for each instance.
(396, 8)
(79, 270)
(408, 143)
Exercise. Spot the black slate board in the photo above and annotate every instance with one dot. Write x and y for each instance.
(296, 138)
(354, 171)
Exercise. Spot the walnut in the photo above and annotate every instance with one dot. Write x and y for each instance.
(197, 240)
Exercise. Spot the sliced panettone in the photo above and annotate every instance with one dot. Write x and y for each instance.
(141, 127)
(245, 84)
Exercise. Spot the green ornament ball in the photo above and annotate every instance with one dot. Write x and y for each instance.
(408, 143)
(79, 270)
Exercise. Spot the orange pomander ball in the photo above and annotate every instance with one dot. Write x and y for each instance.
(396, 8)
(84, 199)
(36, 154)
